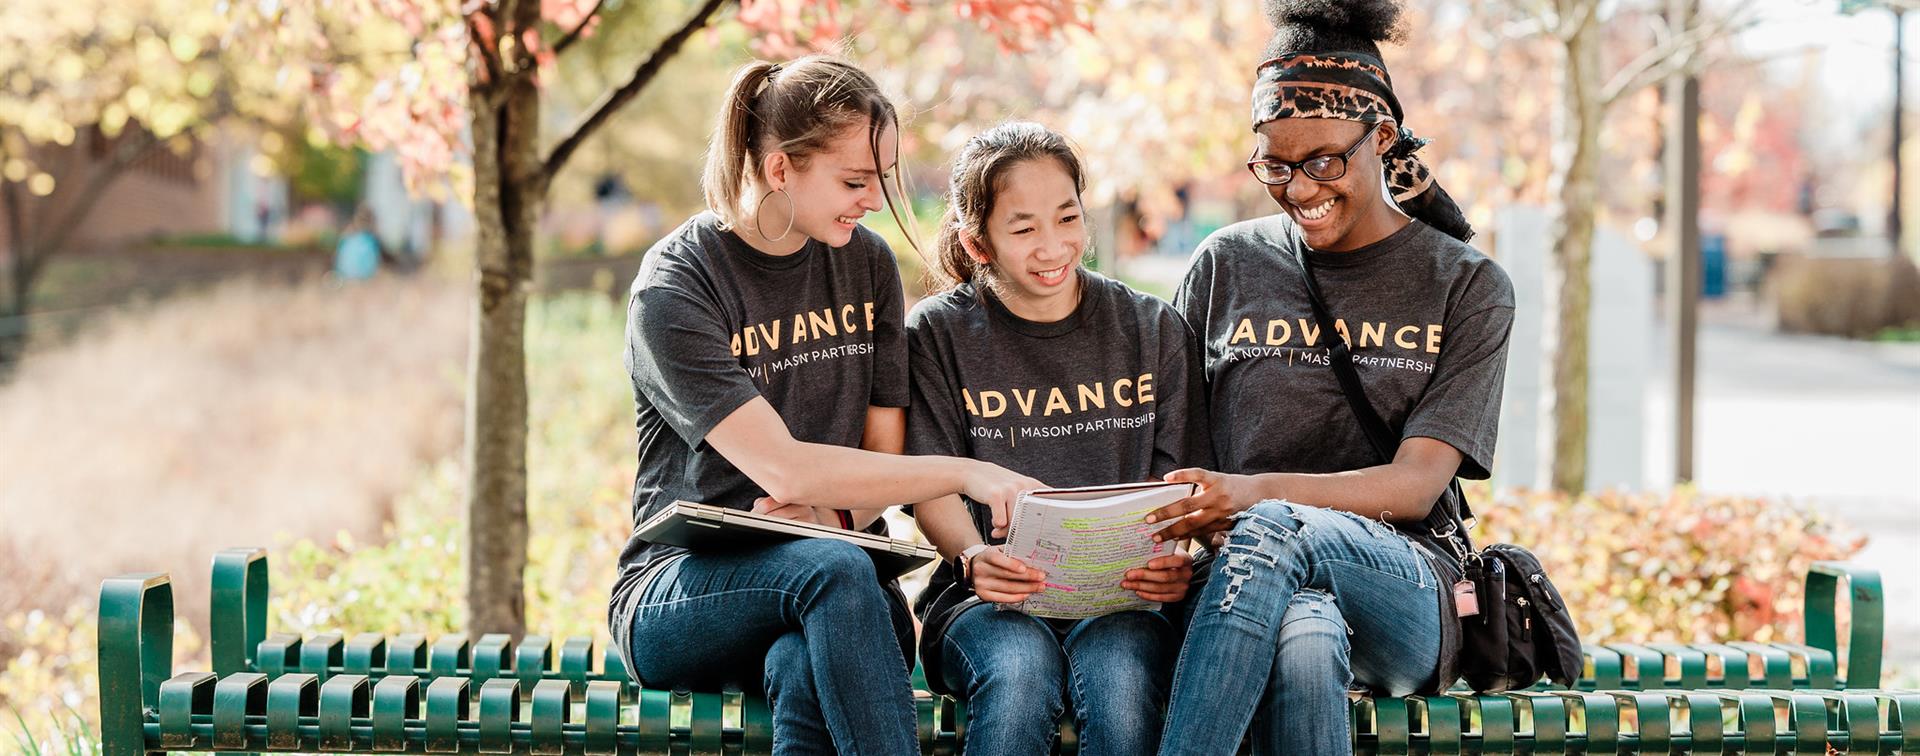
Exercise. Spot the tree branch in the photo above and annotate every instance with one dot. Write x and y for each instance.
(488, 63)
(574, 36)
(1542, 13)
(16, 283)
(1676, 53)
(612, 101)
(133, 144)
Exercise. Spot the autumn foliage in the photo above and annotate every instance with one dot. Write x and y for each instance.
(1670, 566)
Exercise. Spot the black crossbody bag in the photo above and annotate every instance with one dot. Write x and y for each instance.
(1514, 626)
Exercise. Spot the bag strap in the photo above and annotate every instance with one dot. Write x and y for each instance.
(1383, 440)
(1440, 520)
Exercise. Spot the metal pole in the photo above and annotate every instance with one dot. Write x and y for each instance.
(1899, 135)
(1683, 261)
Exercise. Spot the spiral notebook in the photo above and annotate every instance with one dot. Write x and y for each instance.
(1084, 539)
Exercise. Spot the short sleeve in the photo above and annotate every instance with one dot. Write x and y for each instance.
(890, 357)
(1194, 295)
(1461, 405)
(1181, 432)
(681, 361)
(935, 421)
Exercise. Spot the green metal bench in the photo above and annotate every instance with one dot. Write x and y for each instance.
(371, 694)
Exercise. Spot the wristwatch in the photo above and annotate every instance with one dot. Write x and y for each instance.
(964, 562)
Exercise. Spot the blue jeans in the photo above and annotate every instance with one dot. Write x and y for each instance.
(1017, 674)
(808, 619)
(1302, 603)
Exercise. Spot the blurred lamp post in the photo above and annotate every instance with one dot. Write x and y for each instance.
(1898, 7)
(1683, 261)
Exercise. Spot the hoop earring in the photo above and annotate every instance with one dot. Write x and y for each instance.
(763, 203)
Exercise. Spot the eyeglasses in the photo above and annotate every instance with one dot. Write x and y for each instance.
(1319, 167)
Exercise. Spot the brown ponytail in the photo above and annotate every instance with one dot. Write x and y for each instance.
(731, 147)
(797, 108)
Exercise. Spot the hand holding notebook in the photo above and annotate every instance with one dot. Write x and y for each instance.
(1085, 540)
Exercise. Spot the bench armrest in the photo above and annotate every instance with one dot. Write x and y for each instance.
(1866, 618)
(238, 612)
(135, 638)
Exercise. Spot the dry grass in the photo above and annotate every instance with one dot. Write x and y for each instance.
(250, 412)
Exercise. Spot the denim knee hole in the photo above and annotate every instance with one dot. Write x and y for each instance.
(1242, 558)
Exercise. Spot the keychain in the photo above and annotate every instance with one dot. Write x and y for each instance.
(1466, 602)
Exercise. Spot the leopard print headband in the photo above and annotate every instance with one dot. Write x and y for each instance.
(1347, 87)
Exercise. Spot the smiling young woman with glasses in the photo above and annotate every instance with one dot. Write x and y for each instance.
(1328, 572)
(1277, 172)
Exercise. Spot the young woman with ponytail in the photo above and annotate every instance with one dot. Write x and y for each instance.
(1335, 565)
(1027, 360)
(767, 348)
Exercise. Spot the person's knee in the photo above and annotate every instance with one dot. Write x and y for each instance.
(1313, 638)
(830, 558)
(787, 669)
(1011, 657)
(1024, 664)
(1122, 645)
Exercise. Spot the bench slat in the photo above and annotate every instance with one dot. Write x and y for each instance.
(290, 697)
(551, 714)
(704, 736)
(655, 721)
(396, 699)
(1392, 726)
(180, 697)
(532, 660)
(576, 662)
(366, 653)
(236, 697)
(491, 657)
(450, 655)
(446, 709)
(603, 718)
(342, 699)
(320, 654)
(499, 709)
(407, 655)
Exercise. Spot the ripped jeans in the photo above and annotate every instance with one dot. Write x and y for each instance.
(1301, 604)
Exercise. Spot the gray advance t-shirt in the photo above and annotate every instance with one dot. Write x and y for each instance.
(1426, 316)
(1111, 394)
(713, 323)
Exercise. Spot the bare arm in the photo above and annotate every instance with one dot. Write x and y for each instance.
(1401, 491)
(886, 433)
(791, 471)
(947, 525)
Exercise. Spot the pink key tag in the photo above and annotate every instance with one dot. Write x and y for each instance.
(1466, 602)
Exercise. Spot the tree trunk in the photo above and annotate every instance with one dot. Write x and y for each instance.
(508, 191)
(1569, 285)
(20, 273)
(30, 247)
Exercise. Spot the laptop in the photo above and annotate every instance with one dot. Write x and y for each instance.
(704, 527)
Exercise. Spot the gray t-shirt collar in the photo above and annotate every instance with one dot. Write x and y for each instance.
(1081, 312)
(1363, 255)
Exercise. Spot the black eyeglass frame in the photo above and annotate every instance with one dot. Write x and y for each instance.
(1300, 167)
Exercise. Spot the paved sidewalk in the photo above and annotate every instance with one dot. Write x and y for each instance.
(1833, 424)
